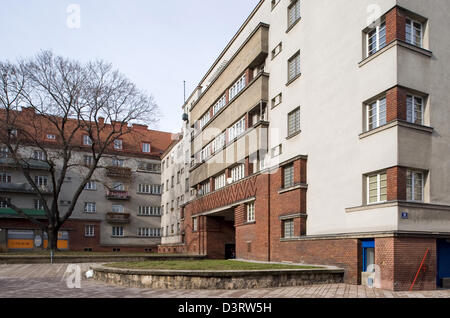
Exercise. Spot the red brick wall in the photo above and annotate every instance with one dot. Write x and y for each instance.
(395, 25)
(396, 184)
(396, 104)
(399, 260)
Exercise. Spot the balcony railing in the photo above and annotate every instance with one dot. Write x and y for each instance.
(118, 195)
(118, 172)
(23, 188)
(118, 218)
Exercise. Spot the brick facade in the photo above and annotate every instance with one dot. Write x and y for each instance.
(395, 25)
(396, 104)
(396, 184)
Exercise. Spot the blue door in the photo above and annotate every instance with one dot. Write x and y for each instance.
(368, 247)
(443, 259)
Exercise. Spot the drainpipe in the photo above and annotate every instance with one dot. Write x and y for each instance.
(268, 217)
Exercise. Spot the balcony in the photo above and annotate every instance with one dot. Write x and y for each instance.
(32, 164)
(118, 172)
(23, 188)
(118, 218)
(118, 195)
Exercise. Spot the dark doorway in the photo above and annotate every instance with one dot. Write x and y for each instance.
(443, 260)
(230, 251)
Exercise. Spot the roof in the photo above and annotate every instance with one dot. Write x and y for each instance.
(131, 141)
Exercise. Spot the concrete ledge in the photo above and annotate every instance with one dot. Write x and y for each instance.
(180, 279)
(74, 259)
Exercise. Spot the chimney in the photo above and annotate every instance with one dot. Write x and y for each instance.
(139, 127)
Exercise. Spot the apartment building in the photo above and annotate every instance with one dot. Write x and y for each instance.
(119, 209)
(176, 190)
(320, 136)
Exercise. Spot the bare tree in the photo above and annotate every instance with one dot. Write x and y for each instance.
(51, 93)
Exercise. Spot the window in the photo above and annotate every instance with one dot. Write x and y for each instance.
(288, 176)
(294, 122)
(118, 162)
(288, 228)
(219, 142)
(150, 167)
(4, 152)
(51, 137)
(117, 231)
(376, 114)
(237, 87)
(39, 155)
(220, 182)
(414, 32)
(194, 224)
(274, 3)
(118, 144)
(277, 100)
(172, 181)
(205, 187)
(5, 177)
(4, 202)
(205, 119)
(38, 205)
(88, 160)
(178, 177)
(118, 186)
(145, 147)
(414, 109)
(206, 152)
(149, 232)
(376, 39)
(89, 231)
(149, 189)
(277, 50)
(251, 212)
(293, 13)
(41, 181)
(150, 210)
(236, 130)
(414, 186)
(219, 105)
(377, 188)
(238, 172)
(187, 185)
(294, 67)
(87, 141)
(117, 209)
(91, 185)
(90, 207)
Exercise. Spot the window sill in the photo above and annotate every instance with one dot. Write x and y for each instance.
(399, 204)
(294, 135)
(249, 223)
(293, 188)
(293, 25)
(397, 123)
(293, 79)
(393, 44)
(289, 239)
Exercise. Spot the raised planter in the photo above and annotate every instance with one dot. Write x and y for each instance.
(170, 279)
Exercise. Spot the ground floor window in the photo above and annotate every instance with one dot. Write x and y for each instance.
(117, 231)
(89, 230)
(288, 227)
(368, 247)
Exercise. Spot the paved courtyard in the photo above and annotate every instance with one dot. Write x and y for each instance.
(48, 281)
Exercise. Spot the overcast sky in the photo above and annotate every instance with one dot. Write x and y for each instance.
(157, 44)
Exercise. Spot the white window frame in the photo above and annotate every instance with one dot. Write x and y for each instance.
(39, 155)
(91, 185)
(411, 178)
(288, 228)
(378, 44)
(206, 187)
(221, 103)
(205, 119)
(115, 162)
(251, 212)
(51, 137)
(294, 67)
(117, 231)
(380, 121)
(294, 118)
(379, 188)
(41, 181)
(38, 205)
(194, 224)
(411, 112)
(220, 182)
(89, 230)
(5, 177)
(117, 209)
(87, 141)
(237, 87)
(238, 172)
(4, 202)
(90, 207)
(118, 144)
(236, 130)
(294, 13)
(413, 29)
(219, 142)
(146, 147)
(88, 160)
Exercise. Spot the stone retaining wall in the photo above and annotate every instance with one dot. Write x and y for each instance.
(165, 279)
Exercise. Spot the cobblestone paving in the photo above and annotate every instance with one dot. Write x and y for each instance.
(47, 281)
